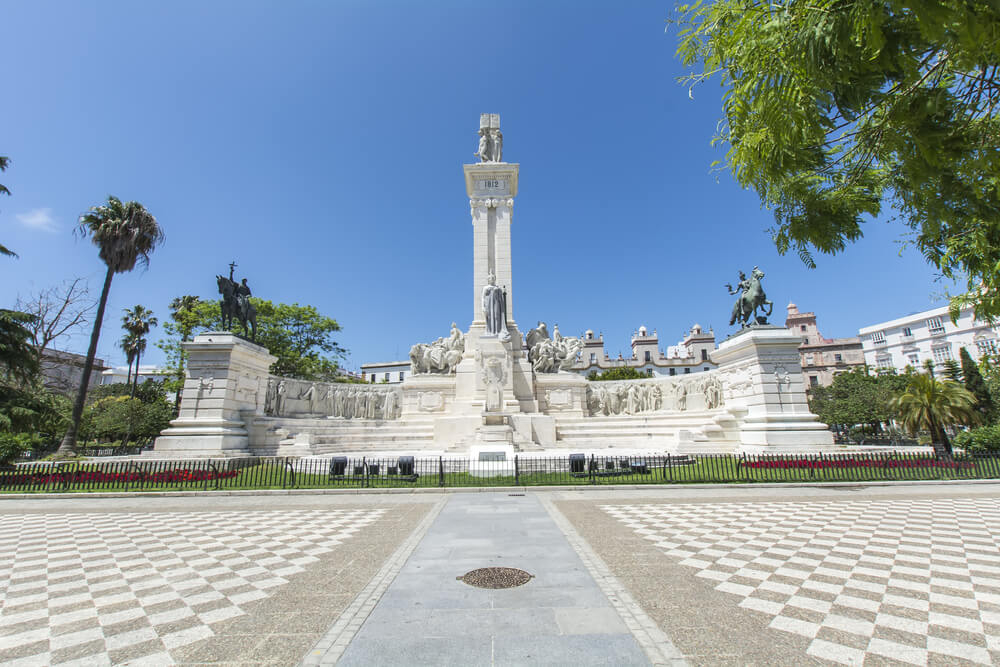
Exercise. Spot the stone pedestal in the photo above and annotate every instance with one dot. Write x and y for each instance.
(563, 394)
(226, 379)
(764, 389)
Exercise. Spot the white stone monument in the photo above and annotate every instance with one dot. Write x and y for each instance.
(485, 393)
(226, 381)
(761, 372)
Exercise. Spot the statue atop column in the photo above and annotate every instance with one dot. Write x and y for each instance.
(490, 138)
(495, 309)
(750, 297)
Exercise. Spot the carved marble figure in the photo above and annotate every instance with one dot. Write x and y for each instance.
(495, 309)
(441, 356)
(484, 145)
(496, 145)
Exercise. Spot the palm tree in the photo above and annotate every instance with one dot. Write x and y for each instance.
(125, 233)
(931, 404)
(128, 344)
(4, 161)
(137, 322)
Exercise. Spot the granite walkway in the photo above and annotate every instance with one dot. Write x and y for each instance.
(569, 613)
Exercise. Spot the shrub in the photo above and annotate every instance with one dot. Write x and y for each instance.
(112, 418)
(621, 373)
(982, 439)
(13, 445)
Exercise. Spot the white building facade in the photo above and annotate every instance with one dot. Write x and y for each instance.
(911, 340)
(391, 372)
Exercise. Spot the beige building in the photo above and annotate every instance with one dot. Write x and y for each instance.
(62, 371)
(822, 358)
(691, 355)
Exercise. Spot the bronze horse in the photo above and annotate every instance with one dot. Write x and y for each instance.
(232, 305)
(745, 310)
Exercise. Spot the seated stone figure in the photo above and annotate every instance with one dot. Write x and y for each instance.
(551, 356)
(441, 356)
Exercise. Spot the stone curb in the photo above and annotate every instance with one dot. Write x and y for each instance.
(504, 489)
(333, 644)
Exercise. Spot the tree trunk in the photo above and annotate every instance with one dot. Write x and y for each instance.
(135, 381)
(68, 445)
(128, 378)
(937, 433)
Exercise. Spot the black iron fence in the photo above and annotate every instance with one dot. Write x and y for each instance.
(410, 472)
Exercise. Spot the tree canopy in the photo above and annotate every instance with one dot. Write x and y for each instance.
(619, 373)
(299, 336)
(4, 161)
(931, 404)
(833, 108)
(857, 398)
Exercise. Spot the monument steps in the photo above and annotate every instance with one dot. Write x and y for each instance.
(330, 436)
(671, 430)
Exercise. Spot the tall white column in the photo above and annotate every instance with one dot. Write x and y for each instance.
(491, 187)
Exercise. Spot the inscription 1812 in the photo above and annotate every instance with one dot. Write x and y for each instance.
(497, 185)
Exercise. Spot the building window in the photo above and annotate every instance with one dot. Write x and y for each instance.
(907, 331)
(913, 358)
(813, 381)
(648, 357)
(649, 371)
(838, 358)
(986, 346)
(402, 374)
(673, 371)
(593, 357)
(687, 370)
(941, 353)
(884, 362)
(802, 327)
(878, 337)
(704, 354)
(706, 368)
(935, 326)
(809, 359)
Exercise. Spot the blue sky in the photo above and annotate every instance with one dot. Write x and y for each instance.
(320, 146)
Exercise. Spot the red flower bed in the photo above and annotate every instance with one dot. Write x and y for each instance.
(84, 477)
(854, 463)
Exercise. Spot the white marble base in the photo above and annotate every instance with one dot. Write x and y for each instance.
(226, 379)
(483, 460)
(765, 391)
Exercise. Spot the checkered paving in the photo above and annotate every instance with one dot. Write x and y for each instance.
(103, 588)
(911, 581)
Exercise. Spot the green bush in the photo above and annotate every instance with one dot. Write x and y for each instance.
(13, 445)
(620, 373)
(115, 417)
(981, 439)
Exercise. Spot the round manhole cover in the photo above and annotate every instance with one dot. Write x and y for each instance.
(496, 577)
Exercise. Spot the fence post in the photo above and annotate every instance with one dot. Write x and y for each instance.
(590, 469)
(517, 474)
(364, 472)
(441, 471)
(670, 466)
